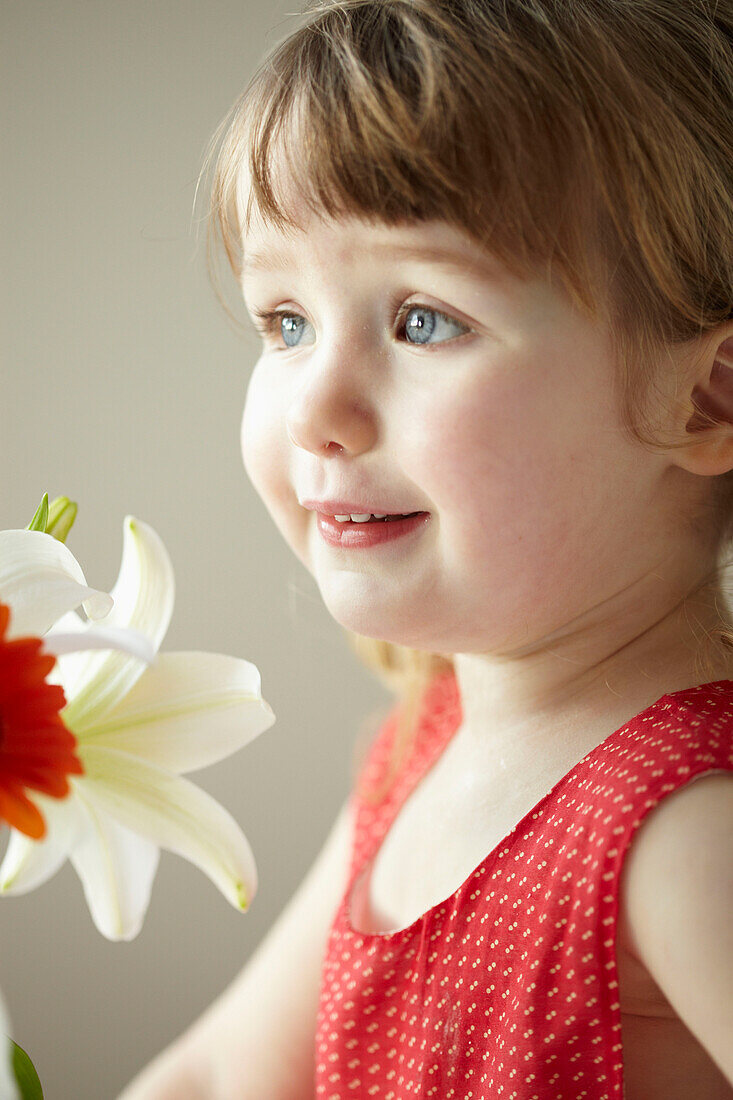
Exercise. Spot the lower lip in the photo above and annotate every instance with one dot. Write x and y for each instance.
(353, 536)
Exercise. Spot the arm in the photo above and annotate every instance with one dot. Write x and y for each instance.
(257, 1040)
(678, 898)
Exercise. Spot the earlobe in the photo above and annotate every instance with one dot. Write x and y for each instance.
(710, 428)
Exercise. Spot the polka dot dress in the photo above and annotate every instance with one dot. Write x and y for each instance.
(509, 988)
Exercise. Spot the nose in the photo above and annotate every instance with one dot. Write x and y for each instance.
(330, 411)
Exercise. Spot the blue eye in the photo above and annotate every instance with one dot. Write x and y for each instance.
(291, 328)
(422, 321)
(287, 326)
(291, 324)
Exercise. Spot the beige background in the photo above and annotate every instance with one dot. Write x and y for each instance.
(122, 387)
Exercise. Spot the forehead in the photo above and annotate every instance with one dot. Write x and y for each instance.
(352, 240)
(325, 240)
(266, 245)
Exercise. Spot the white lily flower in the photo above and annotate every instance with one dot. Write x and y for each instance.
(138, 729)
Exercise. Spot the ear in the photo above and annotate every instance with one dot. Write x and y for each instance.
(711, 397)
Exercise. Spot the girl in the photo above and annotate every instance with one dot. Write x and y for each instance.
(487, 245)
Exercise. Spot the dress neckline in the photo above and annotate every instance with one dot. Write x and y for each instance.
(444, 690)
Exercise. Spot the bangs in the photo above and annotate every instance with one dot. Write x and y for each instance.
(386, 112)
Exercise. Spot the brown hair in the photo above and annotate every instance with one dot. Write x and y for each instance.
(589, 140)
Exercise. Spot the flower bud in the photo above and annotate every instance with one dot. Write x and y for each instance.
(61, 516)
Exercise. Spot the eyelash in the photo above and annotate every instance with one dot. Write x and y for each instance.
(268, 321)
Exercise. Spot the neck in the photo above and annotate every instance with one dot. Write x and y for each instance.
(571, 690)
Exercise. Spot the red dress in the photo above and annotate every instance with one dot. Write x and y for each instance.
(508, 989)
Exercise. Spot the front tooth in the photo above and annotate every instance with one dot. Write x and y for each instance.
(342, 519)
(360, 517)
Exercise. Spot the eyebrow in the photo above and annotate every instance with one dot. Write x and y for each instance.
(482, 268)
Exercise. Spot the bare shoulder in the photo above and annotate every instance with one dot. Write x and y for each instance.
(681, 831)
(676, 897)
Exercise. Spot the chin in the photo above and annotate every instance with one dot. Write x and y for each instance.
(374, 619)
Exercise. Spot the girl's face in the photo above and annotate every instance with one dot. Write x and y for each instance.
(406, 370)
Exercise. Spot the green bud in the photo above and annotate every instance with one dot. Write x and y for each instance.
(61, 516)
(40, 519)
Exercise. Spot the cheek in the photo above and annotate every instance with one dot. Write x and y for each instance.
(260, 442)
(502, 460)
(266, 458)
(487, 438)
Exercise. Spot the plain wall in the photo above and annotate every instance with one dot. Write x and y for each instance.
(122, 387)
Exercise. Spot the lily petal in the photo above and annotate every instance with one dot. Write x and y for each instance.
(143, 600)
(117, 868)
(187, 711)
(176, 815)
(58, 642)
(29, 863)
(69, 668)
(144, 591)
(41, 579)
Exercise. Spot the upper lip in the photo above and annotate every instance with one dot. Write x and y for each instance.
(348, 507)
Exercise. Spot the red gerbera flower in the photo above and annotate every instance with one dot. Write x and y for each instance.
(37, 751)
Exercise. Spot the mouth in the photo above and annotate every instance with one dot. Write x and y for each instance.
(355, 511)
(369, 531)
(360, 520)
